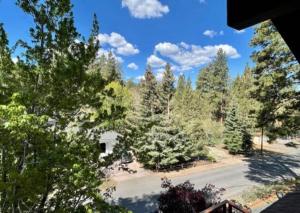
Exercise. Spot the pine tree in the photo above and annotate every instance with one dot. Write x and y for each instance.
(167, 90)
(236, 137)
(165, 145)
(212, 83)
(109, 68)
(276, 79)
(149, 94)
(158, 143)
(241, 95)
(6, 68)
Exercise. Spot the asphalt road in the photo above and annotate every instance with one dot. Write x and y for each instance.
(140, 194)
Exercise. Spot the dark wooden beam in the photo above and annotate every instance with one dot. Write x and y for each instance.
(287, 27)
(245, 13)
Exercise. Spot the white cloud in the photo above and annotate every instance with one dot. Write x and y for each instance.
(210, 33)
(239, 31)
(167, 48)
(145, 8)
(118, 44)
(155, 61)
(190, 56)
(140, 77)
(132, 66)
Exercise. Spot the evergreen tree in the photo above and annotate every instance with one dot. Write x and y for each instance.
(167, 90)
(276, 80)
(236, 137)
(165, 145)
(241, 95)
(109, 68)
(6, 68)
(178, 102)
(158, 143)
(149, 94)
(212, 83)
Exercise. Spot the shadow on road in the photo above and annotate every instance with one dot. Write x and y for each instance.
(145, 204)
(271, 166)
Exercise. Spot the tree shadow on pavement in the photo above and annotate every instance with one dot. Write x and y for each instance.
(145, 204)
(271, 167)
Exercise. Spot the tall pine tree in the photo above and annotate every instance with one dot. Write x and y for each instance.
(212, 83)
(276, 75)
(167, 90)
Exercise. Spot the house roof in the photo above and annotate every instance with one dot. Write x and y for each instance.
(284, 15)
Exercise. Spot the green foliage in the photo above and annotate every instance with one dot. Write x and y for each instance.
(212, 83)
(236, 137)
(241, 96)
(6, 68)
(276, 76)
(166, 90)
(53, 107)
(165, 145)
(158, 143)
(108, 67)
(150, 104)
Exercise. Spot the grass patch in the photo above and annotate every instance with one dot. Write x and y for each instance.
(263, 192)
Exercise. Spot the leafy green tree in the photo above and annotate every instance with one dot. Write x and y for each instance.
(49, 155)
(236, 137)
(276, 75)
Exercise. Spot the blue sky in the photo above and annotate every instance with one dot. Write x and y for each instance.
(185, 33)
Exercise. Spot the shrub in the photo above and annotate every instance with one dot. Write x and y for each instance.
(184, 198)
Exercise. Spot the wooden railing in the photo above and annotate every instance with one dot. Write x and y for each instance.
(226, 207)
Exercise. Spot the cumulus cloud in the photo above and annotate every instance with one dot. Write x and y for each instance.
(239, 31)
(118, 43)
(132, 66)
(188, 56)
(145, 8)
(155, 61)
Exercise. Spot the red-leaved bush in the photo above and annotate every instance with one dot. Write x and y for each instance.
(183, 198)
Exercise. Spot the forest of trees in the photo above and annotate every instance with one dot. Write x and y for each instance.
(59, 97)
